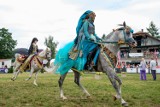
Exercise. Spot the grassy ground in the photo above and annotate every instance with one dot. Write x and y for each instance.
(21, 93)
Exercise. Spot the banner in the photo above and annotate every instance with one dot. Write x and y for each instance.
(135, 54)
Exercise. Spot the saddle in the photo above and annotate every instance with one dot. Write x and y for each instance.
(25, 62)
(22, 58)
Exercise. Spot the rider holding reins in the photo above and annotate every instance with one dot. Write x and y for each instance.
(83, 52)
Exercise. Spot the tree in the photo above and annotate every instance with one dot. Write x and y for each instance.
(49, 42)
(7, 44)
(153, 30)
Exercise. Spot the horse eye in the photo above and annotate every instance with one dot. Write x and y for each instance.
(128, 32)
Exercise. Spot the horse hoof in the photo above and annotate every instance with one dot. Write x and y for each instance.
(35, 84)
(114, 98)
(64, 98)
(12, 79)
(27, 79)
(88, 96)
(125, 104)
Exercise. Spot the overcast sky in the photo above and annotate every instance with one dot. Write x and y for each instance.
(26, 19)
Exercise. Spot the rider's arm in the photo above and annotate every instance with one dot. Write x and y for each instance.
(85, 29)
(97, 38)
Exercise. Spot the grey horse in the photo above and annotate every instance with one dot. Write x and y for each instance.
(107, 61)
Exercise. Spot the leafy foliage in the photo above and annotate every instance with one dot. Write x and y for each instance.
(153, 30)
(7, 44)
(49, 42)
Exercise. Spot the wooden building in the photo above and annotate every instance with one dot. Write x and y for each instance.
(147, 47)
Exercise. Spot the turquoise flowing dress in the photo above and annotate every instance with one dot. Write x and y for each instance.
(85, 42)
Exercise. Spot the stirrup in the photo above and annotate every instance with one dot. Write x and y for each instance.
(21, 69)
(89, 68)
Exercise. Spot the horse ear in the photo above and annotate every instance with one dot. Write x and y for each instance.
(46, 49)
(114, 30)
(124, 24)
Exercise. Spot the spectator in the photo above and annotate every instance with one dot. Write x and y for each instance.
(124, 70)
(143, 69)
(149, 69)
(6, 69)
(153, 68)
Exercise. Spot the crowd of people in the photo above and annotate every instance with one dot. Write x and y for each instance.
(151, 66)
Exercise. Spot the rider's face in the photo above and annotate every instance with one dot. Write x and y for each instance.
(92, 16)
(35, 42)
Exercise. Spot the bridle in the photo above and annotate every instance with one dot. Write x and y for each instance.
(45, 56)
(119, 42)
(39, 63)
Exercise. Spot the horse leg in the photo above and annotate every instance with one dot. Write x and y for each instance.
(116, 82)
(15, 74)
(60, 82)
(30, 76)
(35, 79)
(113, 78)
(77, 81)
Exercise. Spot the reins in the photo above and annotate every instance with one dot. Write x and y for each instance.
(119, 42)
(38, 62)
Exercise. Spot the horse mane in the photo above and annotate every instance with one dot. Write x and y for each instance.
(44, 51)
(109, 35)
(41, 53)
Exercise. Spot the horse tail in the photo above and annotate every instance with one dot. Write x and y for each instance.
(16, 58)
(16, 55)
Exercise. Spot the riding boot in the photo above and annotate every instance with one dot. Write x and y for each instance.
(89, 60)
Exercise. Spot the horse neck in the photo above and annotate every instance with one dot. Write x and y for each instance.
(41, 55)
(113, 47)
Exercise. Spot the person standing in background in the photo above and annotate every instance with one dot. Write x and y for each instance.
(143, 69)
(124, 70)
(153, 68)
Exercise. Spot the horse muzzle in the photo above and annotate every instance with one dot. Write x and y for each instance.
(132, 42)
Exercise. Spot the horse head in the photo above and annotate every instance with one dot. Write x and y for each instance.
(46, 54)
(125, 36)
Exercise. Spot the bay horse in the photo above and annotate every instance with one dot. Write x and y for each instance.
(107, 61)
(36, 64)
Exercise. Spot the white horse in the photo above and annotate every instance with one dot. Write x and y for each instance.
(36, 64)
(106, 61)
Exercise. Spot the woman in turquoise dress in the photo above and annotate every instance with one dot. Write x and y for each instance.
(83, 52)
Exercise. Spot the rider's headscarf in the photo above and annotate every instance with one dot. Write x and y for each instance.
(80, 22)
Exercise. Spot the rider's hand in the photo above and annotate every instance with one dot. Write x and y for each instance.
(91, 39)
(35, 53)
(100, 40)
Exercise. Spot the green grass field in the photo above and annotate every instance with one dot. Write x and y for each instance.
(21, 93)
